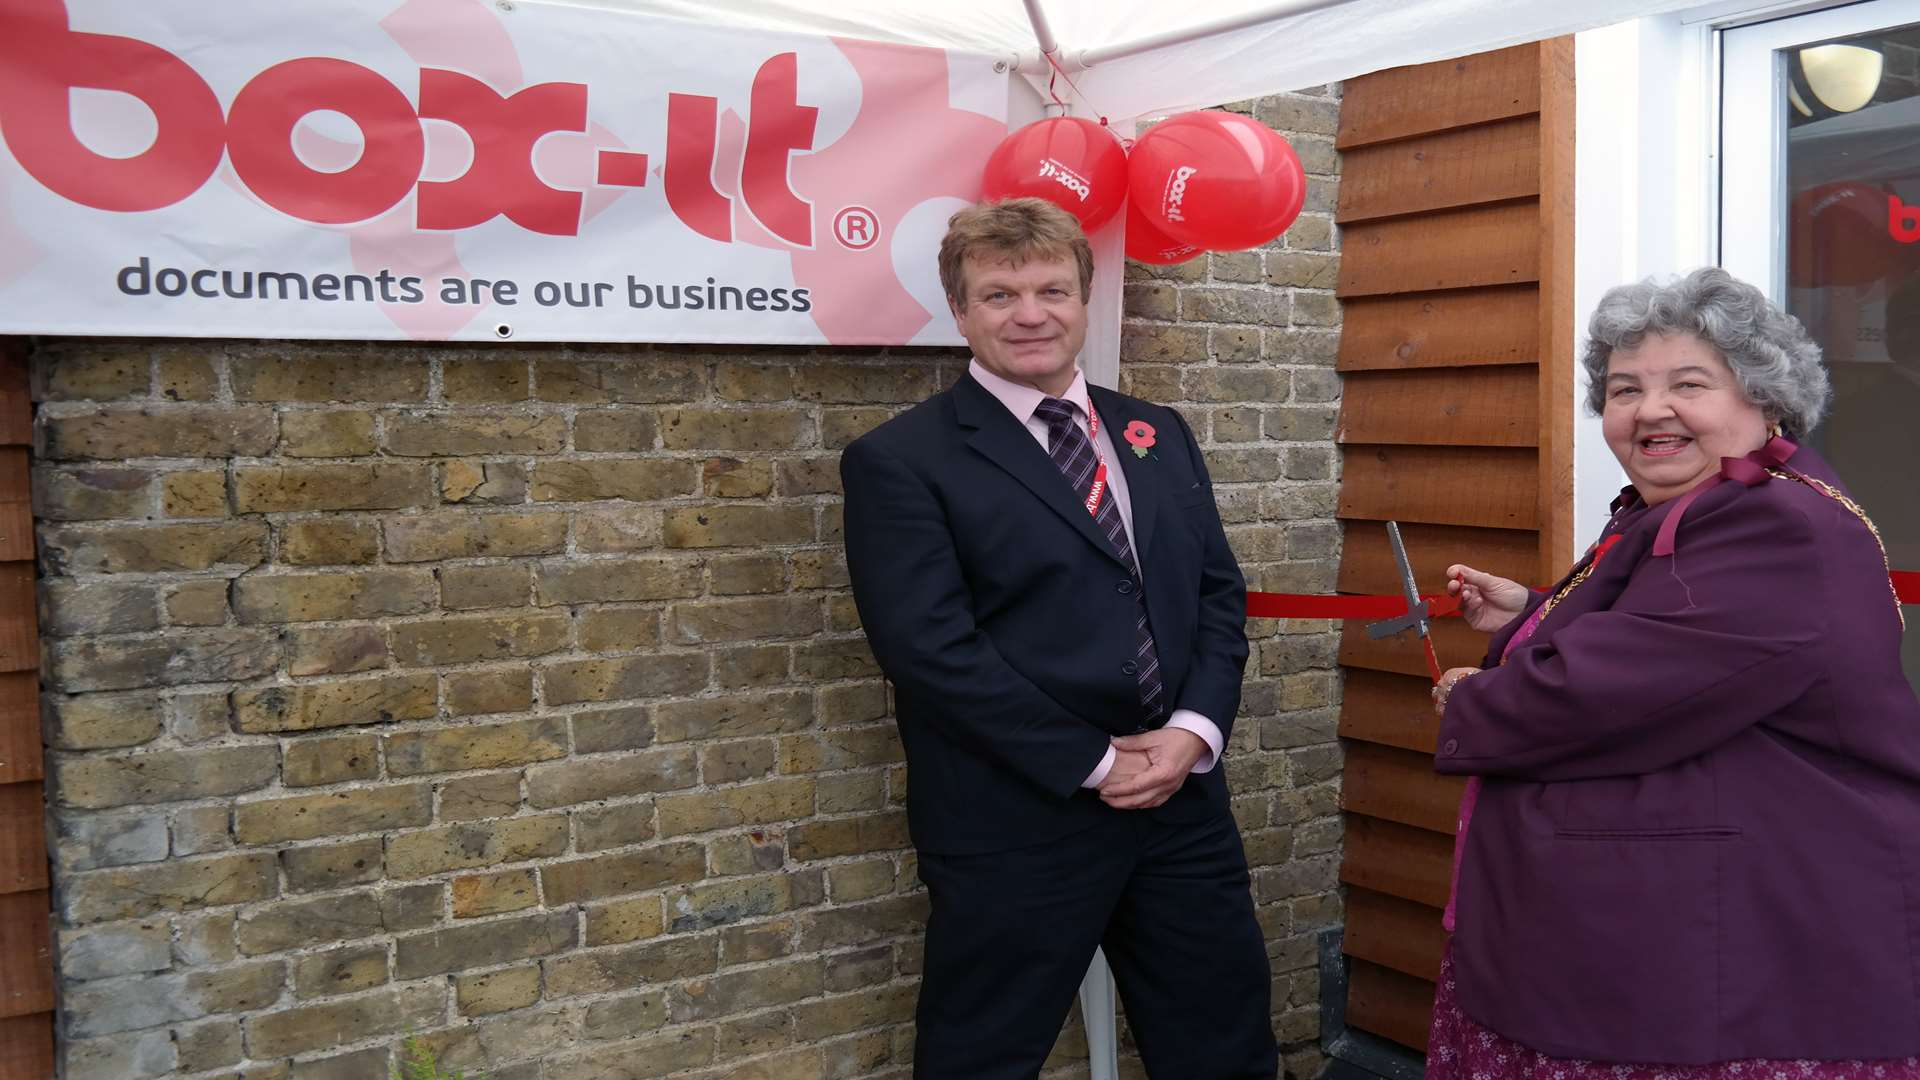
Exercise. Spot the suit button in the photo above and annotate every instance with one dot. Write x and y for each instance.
(1129, 668)
(1123, 588)
(1452, 747)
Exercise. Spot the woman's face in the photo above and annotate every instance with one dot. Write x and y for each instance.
(1673, 410)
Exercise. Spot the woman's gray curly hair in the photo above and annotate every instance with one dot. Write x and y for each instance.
(1778, 365)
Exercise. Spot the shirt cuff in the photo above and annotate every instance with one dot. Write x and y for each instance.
(1101, 770)
(1209, 732)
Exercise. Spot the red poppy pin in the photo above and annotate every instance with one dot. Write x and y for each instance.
(1139, 433)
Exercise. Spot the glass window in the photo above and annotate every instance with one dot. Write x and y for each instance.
(1853, 266)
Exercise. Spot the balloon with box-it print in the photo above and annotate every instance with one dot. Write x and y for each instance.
(1217, 180)
(1149, 245)
(1067, 160)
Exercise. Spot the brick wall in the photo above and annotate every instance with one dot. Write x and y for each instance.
(514, 696)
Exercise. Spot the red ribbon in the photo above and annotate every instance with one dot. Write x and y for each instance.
(1266, 605)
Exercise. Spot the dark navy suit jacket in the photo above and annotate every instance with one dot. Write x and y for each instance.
(1004, 619)
(1699, 834)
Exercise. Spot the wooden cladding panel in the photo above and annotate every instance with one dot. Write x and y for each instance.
(19, 628)
(20, 727)
(1441, 171)
(1454, 642)
(1407, 101)
(23, 844)
(1389, 1003)
(1399, 785)
(26, 961)
(1389, 709)
(1491, 487)
(1455, 249)
(1482, 406)
(1556, 306)
(1394, 933)
(26, 1047)
(1367, 566)
(26, 980)
(1399, 860)
(16, 407)
(1440, 329)
(16, 510)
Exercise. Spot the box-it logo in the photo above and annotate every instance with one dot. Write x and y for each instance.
(1176, 191)
(1903, 221)
(1066, 178)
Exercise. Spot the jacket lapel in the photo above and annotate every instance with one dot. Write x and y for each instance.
(1008, 444)
(1143, 477)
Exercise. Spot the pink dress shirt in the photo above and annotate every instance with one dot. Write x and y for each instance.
(1021, 400)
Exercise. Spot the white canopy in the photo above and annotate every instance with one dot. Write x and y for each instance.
(1264, 48)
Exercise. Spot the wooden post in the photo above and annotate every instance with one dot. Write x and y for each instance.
(26, 949)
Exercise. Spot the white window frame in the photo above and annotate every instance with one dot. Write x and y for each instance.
(1651, 186)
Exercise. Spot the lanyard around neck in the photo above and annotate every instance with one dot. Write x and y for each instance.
(1099, 487)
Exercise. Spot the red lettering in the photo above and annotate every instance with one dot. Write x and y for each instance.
(41, 60)
(778, 126)
(260, 140)
(692, 129)
(1903, 221)
(501, 179)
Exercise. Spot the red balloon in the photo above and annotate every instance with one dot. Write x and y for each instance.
(1837, 235)
(1149, 245)
(1066, 160)
(1216, 179)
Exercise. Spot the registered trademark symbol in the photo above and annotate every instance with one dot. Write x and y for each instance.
(857, 228)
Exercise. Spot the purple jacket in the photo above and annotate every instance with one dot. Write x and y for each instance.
(1699, 834)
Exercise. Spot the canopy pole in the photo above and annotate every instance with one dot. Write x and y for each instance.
(1033, 63)
(1042, 32)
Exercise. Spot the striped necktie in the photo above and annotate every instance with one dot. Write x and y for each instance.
(1073, 452)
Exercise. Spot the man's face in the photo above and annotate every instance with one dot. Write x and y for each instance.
(1025, 323)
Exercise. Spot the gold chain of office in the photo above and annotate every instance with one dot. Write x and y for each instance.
(1852, 508)
(1816, 484)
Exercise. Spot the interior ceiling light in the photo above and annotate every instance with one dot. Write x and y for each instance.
(1828, 79)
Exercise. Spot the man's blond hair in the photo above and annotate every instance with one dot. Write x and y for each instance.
(1012, 229)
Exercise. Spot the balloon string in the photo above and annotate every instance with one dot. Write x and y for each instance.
(1056, 71)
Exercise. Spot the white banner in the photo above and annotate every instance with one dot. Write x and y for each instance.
(468, 170)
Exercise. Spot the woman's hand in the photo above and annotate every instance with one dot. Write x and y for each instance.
(1487, 602)
(1444, 688)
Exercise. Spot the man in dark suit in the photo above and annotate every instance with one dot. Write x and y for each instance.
(1064, 626)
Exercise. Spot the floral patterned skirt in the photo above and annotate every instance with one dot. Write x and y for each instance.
(1460, 1049)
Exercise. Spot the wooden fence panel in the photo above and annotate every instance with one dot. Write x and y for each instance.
(1399, 785)
(1491, 487)
(1456, 421)
(1389, 1003)
(1454, 249)
(26, 1047)
(1399, 860)
(1454, 643)
(1367, 566)
(26, 947)
(1388, 709)
(1440, 329)
(1480, 406)
(1447, 169)
(1393, 933)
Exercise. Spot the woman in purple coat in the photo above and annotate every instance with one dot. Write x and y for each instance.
(1693, 847)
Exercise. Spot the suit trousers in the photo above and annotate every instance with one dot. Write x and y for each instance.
(1011, 934)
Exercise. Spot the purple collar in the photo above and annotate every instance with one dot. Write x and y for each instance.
(1750, 470)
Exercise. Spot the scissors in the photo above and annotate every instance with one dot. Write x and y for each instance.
(1419, 614)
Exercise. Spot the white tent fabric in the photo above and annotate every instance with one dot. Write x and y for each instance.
(1293, 51)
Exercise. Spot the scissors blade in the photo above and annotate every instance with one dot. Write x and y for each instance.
(1416, 607)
